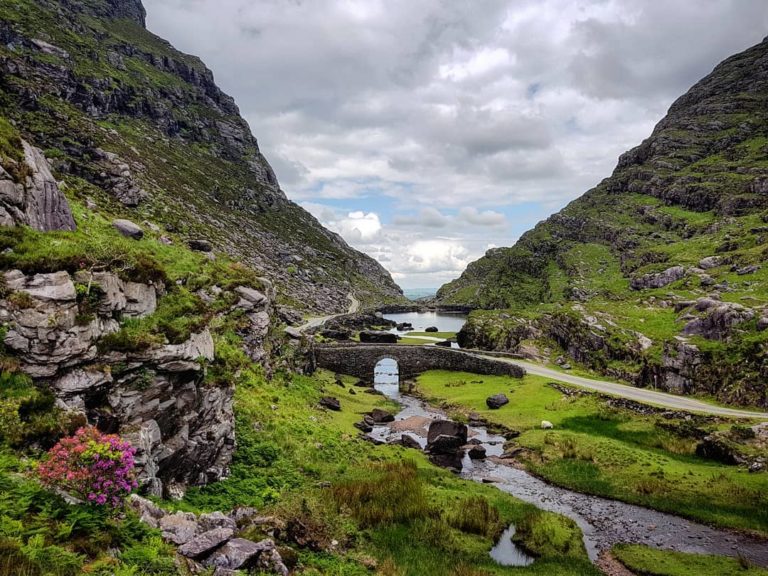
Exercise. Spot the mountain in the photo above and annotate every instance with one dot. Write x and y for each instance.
(134, 128)
(658, 274)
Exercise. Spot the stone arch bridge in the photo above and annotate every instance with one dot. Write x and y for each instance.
(359, 360)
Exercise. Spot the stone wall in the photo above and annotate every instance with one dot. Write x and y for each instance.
(360, 360)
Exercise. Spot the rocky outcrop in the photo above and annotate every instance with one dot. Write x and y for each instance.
(155, 396)
(33, 198)
(658, 280)
(719, 320)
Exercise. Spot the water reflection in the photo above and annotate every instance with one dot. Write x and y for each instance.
(507, 553)
(443, 321)
(386, 378)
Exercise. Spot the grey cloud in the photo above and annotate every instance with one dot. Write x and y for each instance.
(431, 103)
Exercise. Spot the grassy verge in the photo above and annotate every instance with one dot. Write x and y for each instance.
(646, 561)
(646, 460)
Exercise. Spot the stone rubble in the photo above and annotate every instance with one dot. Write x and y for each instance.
(210, 541)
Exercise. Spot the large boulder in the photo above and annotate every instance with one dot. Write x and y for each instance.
(375, 337)
(128, 229)
(446, 436)
(496, 401)
(431, 329)
(206, 542)
(239, 554)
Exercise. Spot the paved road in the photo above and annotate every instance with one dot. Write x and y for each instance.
(643, 395)
(354, 306)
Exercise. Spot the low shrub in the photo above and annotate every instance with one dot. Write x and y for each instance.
(95, 467)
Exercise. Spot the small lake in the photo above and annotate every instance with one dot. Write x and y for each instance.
(445, 321)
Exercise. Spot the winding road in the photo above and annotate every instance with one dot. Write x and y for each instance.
(643, 395)
(354, 306)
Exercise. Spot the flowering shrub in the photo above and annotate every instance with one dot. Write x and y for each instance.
(95, 467)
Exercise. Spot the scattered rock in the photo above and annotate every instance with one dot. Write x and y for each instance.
(128, 229)
(331, 403)
(405, 326)
(477, 452)
(363, 426)
(410, 442)
(710, 262)
(206, 542)
(748, 270)
(238, 554)
(381, 416)
(762, 323)
(200, 245)
(496, 401)
(431, 329)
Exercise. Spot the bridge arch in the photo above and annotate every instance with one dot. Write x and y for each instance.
(360, 360)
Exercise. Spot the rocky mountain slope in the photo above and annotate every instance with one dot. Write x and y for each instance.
(138, 129)
(657, 275)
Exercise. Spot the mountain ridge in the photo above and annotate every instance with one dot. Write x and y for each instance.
(142, 130)
(592, 281)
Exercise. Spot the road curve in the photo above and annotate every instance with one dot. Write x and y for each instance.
(643, 395)
(354, 306)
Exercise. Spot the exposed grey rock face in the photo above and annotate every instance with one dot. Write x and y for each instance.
(36, 202)
(184, 431)
(719, 321)
(659, 280)
(117, 176)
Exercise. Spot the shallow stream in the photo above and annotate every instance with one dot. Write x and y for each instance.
(604, 522)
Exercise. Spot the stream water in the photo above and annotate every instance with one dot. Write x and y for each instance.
(604, 522)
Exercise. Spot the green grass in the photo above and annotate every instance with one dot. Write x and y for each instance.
(609, 452)
(443, 335)
(646, 561)
(303, 463)
(41, 535)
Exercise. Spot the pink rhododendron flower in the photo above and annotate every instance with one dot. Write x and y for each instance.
(95, 467)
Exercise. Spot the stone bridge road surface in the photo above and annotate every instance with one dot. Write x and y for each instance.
(354, 306)
(643, 395)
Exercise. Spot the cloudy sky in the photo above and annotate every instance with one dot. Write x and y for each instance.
(427, 131)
